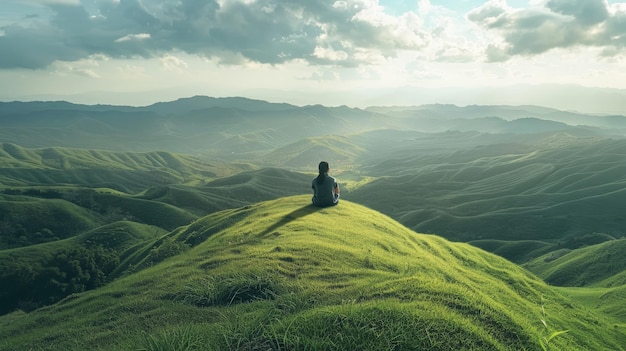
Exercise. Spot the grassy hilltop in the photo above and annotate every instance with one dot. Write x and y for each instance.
(283, 275)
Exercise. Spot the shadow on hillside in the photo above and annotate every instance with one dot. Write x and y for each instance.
(292, 216)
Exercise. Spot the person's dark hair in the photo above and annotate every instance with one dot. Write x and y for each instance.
(323, 168)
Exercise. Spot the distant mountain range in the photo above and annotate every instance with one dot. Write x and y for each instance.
(242, 128)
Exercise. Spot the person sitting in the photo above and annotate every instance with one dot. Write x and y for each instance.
(325, 188)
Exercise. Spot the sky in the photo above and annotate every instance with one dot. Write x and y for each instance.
(568, 54)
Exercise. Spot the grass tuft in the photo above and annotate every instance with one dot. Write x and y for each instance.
(180, 339)
(231, 289)
(545, 341)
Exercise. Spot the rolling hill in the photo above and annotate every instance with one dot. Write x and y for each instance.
(233, 191)
(305, 154)
(595, 265)
(130, 172)
(549, 188)
(593, 275)
(43, 274)
(284, 275)
(54, 193)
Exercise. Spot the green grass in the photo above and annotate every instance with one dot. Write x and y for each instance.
(130, 172)
(594, 276)
(283, 275)
(596, 265)
(26, 220)
(609, 301)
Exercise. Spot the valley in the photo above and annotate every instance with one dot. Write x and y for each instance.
(487, 215)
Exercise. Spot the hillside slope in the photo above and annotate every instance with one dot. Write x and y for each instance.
(563, 187)
(42, 274)
(595, 265)
(594, 275)
(125, 171)
(283, 275)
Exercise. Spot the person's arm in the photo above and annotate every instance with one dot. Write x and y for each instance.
(337, 190)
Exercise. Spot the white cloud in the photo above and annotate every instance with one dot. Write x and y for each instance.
(330, 54)
(496, 54)
(390, 32)
(340, 5)
(133, 37)
(489, 14)
(87, 67)
(173, 63)
(424, 7)
(552, 24)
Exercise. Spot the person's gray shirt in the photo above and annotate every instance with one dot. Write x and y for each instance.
(324, 193)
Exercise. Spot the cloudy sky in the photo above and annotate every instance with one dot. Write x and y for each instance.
(355, 52)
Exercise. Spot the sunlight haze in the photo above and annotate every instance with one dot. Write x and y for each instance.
(556, 53)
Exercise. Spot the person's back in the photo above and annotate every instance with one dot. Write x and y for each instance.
(325, 188)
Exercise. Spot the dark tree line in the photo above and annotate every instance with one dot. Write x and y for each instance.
(67, 271)
(24, 228)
